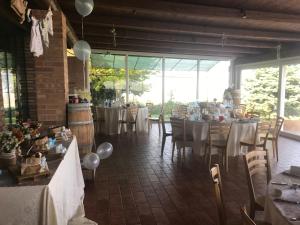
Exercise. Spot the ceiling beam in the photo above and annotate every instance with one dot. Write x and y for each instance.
(108, 47)
(96, 31)
(179, 28)
(192, 13)
(120, 41)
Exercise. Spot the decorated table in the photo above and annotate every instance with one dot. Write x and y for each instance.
(51, 200)
(282, 200)
(108, 119)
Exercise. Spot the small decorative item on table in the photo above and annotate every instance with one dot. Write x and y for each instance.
(9, 144)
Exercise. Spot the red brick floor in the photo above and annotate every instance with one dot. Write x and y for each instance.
(138, 186)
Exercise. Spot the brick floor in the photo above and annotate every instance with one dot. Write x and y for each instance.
(138, 186)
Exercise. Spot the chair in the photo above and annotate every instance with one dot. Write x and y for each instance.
(246, 220)
(260, 138)
(218, 135)
(256, 165)
(179, 135)
(152, 119)
(180, 111)
(165, 132)
(274, 134)
(216, 178)
(129, 117)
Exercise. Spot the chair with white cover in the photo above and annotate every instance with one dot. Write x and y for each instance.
(180, 137)
(165, 133)
(152, 119)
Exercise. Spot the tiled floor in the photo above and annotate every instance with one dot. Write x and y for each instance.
(138, 186)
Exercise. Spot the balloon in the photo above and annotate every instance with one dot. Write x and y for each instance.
(91, 161)
(104, 150)
(82, 50)
(84, 7)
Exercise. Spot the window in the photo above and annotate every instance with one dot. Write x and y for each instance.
(13, 79)
(259, 90)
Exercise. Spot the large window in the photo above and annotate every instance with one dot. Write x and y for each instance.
(291, 101)
(13, 79)
(259, 91)
(139, 79)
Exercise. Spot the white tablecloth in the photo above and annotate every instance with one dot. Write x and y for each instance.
(239, 131)
(278, 213)
(111, 116)
(52, 204)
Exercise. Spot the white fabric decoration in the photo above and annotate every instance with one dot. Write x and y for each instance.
(46, 26)
(36, 45)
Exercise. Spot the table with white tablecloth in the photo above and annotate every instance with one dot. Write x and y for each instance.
(281, 213)
(239, 131)
(49, 201)
(110, 116)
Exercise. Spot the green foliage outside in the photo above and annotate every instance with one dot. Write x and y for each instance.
(262, 92)
(111, 83)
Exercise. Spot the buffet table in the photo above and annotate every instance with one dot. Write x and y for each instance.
(108, 120)
(48, 201)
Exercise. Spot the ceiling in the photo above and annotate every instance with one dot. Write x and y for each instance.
(221, 28)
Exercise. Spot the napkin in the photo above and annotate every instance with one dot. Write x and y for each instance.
(295, 170)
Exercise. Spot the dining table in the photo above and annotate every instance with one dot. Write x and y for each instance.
(52, 200)
(240, 131)
(108, 119)
(282, 201)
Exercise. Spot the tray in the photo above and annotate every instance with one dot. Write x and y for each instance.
(16, 172)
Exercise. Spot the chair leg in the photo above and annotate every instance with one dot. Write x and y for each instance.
(274, 149)
(209, 158)
(159, 127)
(163, 142)
(276, 144)
(173, 149)
(183, 152)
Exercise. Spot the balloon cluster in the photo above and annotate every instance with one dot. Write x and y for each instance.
(82, 49)
(92, 160)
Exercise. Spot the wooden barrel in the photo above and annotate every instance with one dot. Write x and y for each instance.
(80, 121)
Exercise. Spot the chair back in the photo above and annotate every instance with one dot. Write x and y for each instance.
(178, 128)
(262, 131)
(246, 220)
(278, 126)
(217, 182)
(132, 113)
(218, 131)
(256, 163)
(180, 111)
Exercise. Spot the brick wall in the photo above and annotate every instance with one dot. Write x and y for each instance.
(47, 76)
(76, 79)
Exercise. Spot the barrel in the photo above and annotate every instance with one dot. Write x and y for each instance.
(236, 96)
(80, 121)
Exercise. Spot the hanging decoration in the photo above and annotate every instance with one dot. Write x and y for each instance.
(114, 34)
(82, 49)
(84, 7)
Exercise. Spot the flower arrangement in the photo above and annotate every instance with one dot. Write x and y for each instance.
(8, 142)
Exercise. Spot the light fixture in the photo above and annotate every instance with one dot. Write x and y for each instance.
(243, 13)
(114, 34)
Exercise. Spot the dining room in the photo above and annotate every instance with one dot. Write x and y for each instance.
(149, 113)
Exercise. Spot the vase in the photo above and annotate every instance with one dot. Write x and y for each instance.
(8, 159)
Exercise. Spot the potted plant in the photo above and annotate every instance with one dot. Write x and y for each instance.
(8, 146)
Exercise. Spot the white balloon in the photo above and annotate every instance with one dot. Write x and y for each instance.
(84, 7)
(104, 150)
(82, 50)
(91, 161)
